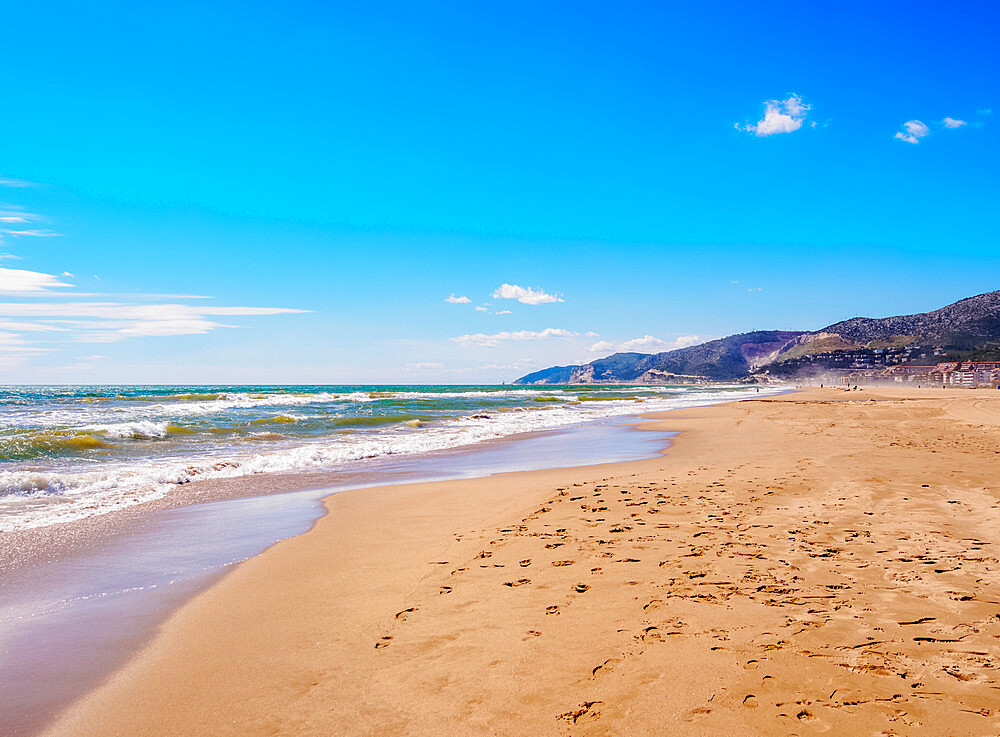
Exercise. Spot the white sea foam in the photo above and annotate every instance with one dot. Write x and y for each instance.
(31, 499)
(99, 414)
(138, 430)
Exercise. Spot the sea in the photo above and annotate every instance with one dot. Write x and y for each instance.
(71, 452)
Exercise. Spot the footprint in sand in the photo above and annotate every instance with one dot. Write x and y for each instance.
(558, 563)
(750, 701)
(445, 590)
(605, 666)
(809, 718)
(554, 609)
(697, 713)
(525, 563)
(384, 642)
(534, 633)
(554, 545)
(405, 613)
(585, 708)
(581, 588)
(518, 582)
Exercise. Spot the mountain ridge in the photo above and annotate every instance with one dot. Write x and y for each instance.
(969, 324)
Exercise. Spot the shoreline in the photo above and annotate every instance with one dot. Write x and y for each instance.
(147, 579)
(323, 617)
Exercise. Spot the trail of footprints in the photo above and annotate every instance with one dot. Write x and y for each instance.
(716, 546)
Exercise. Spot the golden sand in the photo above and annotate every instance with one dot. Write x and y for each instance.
(823, 561)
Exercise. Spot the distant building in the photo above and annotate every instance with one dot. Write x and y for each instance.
(967, 373)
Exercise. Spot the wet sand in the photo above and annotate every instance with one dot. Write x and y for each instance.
(823, 561)
(77, 604)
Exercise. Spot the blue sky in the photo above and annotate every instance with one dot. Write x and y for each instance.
(264, 192)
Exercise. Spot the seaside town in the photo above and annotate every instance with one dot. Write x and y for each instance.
(912, 365)
(970, 374)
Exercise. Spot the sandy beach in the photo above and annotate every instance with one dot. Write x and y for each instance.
(819, 561)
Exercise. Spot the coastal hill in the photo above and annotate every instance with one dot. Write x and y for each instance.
(969, 328)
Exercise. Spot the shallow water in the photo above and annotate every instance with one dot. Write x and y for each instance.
(68, 453)
(66, 625)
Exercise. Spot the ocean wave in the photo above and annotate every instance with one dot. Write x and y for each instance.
(116, 411)
(138, 430)
(76, 495)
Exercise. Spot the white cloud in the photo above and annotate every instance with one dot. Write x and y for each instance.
(457, 300)
(953, 123)
(115, 321)
(21, 281)
(755, 289)
(13, 343)
(15, 351)
(520, 364)
(424, 366)
(646, 344)
(481, 309)
(524, 295)
(30, 327)
(16, 215)
(30, 233)
(153, 328)
(503, 312)
(685, 341)
(80, 321)
(915, 130)
(9, 182)
(497, 338)
(780, 116)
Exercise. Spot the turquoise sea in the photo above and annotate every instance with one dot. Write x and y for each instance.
(73, 452)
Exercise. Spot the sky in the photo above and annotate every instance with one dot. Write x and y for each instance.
(305, 192)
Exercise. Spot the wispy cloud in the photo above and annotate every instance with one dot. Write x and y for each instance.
(16, 351)
(953, 123)
(495, 339)
(913, 131)
(22, 281)
(30, 233)
(30, 327)
(10, 182)
(109, 322)
(780, 116)
(52, 322)
(520, 364)
(457, 300)
(525, 295)
(14, 215)
(646, 344)
(424, 366)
